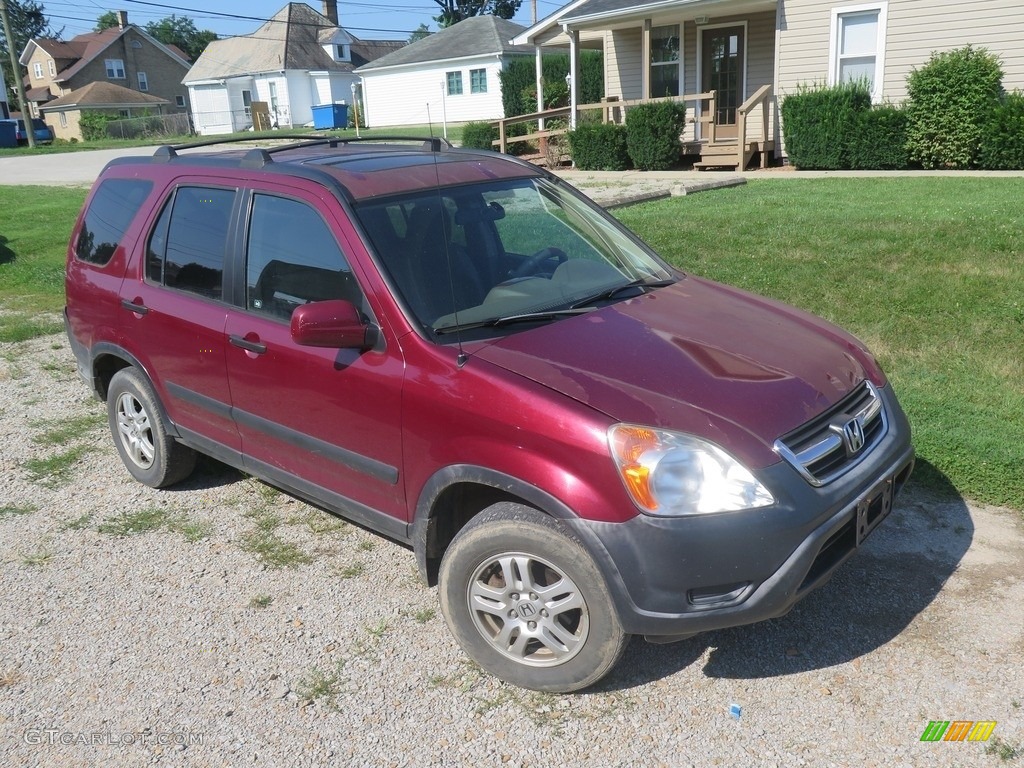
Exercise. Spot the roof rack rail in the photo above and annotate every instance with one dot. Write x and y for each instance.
(261, 155)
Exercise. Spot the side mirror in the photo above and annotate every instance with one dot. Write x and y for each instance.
(335, 324)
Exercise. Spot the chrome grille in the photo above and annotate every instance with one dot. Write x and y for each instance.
(834, 441)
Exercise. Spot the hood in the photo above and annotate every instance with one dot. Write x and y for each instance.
(698, 357)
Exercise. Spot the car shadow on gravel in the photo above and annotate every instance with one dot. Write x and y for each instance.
(209, 473)
(870, 600)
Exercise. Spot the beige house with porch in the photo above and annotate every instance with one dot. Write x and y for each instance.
(733, 61)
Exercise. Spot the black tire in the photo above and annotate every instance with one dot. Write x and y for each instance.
(527, 602)
(136, 423)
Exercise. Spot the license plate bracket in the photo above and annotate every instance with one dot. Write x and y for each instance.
(874, 508)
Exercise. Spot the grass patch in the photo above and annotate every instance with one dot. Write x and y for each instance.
(37, 559)
(155, 519)
(1002, 750)
(261, 601)
(318, 684)
(10, 510)
(351, 571)
(56, 470)
(924, 270)
(275, 552)
(66, 430)
(78, 524)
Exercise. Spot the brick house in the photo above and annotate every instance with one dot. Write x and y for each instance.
(125, 55)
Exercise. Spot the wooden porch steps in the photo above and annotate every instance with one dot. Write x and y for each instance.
(724, 153)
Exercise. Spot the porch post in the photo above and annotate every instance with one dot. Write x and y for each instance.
(539, 67)
(645, 61)
(574, 75)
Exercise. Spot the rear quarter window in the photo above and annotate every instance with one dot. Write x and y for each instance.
(110, 212)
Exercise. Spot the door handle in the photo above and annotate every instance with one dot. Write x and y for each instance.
(139, 309)
(248, 346)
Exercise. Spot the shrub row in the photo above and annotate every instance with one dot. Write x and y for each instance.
(956, 116)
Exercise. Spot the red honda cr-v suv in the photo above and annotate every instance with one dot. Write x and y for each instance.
(457, 349)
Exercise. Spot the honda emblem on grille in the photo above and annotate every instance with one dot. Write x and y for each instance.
(853, 436)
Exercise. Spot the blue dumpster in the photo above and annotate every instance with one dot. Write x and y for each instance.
(330, 116)
(8, 133)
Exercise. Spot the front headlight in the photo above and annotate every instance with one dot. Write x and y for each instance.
(670, 473)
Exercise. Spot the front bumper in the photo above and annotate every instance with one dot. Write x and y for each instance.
(673, 577)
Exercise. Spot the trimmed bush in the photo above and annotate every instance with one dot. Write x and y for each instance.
(949, 100)
(819, 124)
(652, 135)
(880, 140)
(94, 125)
(479, 135)
(1002, 136)
(599, 147)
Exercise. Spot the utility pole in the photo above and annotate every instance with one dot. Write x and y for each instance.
(26, 118)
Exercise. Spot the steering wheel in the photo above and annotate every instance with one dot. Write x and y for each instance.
(532, 263)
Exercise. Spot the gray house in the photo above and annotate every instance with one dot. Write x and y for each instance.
(297, 60)
(451, 75)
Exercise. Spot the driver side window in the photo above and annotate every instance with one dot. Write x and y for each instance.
(292, 258)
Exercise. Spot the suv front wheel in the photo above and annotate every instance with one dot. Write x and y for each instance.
(152, 456)
(527, 602)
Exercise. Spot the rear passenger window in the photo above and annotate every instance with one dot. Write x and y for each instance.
(110, 212)
(186, 248)
(292, 258)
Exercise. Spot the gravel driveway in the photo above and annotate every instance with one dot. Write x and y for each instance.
(223, 623)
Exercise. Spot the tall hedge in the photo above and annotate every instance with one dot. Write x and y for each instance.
(479, 135)
(519, 81)
(652, 134)
(1002, 136)
(880, 140)
(819, 124)
(599, 147)
(949, 100)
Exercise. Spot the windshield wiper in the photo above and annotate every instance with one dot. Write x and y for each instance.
(526, 317)
(611, 293)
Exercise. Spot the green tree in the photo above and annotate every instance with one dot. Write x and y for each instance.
(105, 21)
(28, 21)
(454, 11)
(419, 33)
(182, 32)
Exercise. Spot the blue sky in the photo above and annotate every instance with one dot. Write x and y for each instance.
(368, 19)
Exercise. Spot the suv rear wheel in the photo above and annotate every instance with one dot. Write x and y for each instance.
(152, 456)
(527, 603)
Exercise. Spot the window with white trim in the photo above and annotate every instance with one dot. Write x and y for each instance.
(52, 67)
(180, 101)
(478, 81)
(857, 47)
(143, 82)
(115, 68)
(63, 120)
(454, 83)
(37, 70)
(665, 58)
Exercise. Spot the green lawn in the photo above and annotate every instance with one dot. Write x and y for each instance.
(928, 271)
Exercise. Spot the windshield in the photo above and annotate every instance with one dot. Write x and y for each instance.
(479, 255)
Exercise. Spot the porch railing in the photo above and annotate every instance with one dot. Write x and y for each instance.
(761, 97)
(613, 111)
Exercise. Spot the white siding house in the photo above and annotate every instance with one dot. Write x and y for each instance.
(736, 46)
(452, 75)
(298, 60)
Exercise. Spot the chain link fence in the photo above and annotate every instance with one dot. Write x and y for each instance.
(151, 127)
